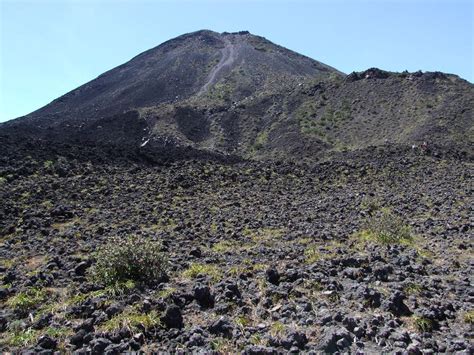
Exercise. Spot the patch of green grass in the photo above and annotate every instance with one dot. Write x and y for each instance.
(196, 269)
(316, 252)
(17, 336)
(48, 164)
(120, 288)
(58, 333)
(213, 227)
(26, 301)
(225, 246)
(237, 270)
(469, 317)
(413, 289)
(305, 240)
(222, 345)
(423, 324)
(371, 205)
(261, 140)
(312, 254)
(47, 204)
(386, 228)
(64, 226)
(277, 329)
(242, 321)
(166, 293)
(263, 236)
(256, 339)
(20, 338)
(132, 320)
(8, 263)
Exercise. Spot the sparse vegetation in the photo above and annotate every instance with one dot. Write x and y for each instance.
(166, 293)
(261, 140)
(132, 320)
(242, 321)
(19, 337)
(385, 227)
(225, 246)
(277, 329)
(136, 259)
(423, 324)
(413, 289)
(312, 254)
(27, 300)
(48, 164)
(196, 269)
(469, 317)
(222, 345)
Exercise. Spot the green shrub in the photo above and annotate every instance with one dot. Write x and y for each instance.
(48, 164)
(134, 259)
(469, 317)
(423, 324)
(387, 228)
(413, 289)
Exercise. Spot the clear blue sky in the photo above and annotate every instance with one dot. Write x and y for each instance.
(49, 47)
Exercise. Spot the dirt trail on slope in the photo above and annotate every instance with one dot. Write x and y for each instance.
(228, 57)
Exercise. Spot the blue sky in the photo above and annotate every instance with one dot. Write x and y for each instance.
(49, 47)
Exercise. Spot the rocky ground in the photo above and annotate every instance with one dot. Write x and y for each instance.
(263, 257)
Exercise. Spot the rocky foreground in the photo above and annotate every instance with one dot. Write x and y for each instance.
(262, 258)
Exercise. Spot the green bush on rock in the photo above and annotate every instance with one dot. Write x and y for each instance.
(136, 259)
(386, 227)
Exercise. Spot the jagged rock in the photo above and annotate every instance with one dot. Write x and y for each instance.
(173, 317)
(222, 326)
(334, 339)
(394, 304)
(203, 295)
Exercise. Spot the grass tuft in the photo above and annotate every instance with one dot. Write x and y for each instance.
(196, 269)
(386, 228)
(469, 317)
(132, 320)
(423, 324)
(26, 301)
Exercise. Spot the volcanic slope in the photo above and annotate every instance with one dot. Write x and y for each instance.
(239, 94)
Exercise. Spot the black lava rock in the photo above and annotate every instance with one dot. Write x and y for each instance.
(222, 327)
(273, 276)
(334, 339)
(173, 317)
(395, 304)
(46, 342)
(98, 345)
(203, 296)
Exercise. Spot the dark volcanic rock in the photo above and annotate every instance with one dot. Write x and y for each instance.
(173, 317)
(222, 326)
(334, 339)
(395, 304)
(203, 296)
